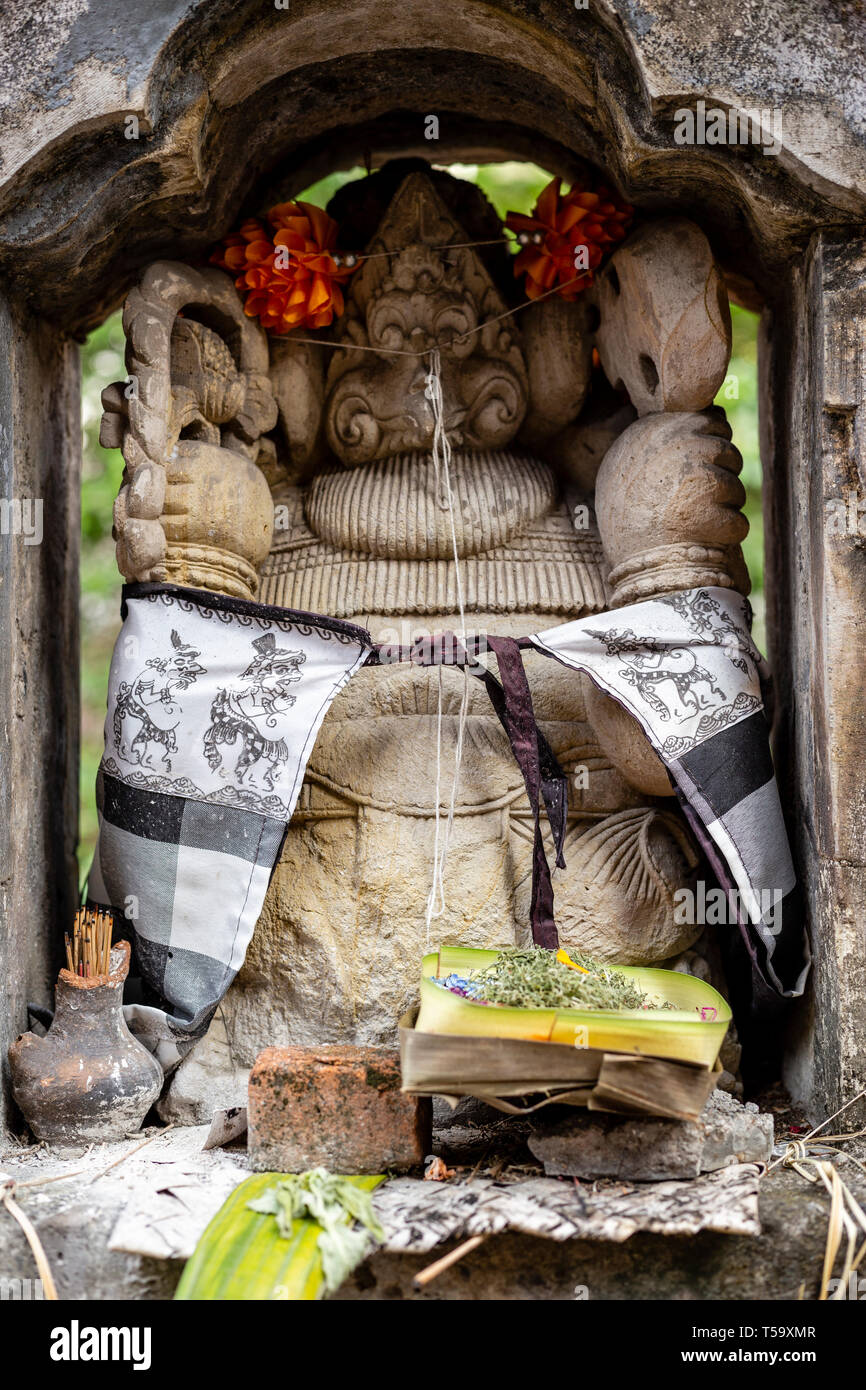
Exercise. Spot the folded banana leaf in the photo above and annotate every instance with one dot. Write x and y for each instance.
(520, 1077)
(241, 1255)
(693, 1031)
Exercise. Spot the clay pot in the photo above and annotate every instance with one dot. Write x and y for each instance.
(87, 1079)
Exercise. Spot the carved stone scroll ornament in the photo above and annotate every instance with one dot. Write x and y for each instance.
(665, 325)
(194, 506)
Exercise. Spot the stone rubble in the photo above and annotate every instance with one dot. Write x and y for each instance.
(609, 1146)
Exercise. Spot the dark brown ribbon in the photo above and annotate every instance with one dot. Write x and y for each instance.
(543, 777)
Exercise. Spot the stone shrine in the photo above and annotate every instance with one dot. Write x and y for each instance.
(163, 138)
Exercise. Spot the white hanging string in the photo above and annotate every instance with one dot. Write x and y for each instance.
(442, 467)
(436, 904)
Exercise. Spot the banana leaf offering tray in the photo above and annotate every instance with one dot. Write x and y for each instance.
(659, 1058)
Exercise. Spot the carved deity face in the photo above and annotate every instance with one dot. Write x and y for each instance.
(407, 299)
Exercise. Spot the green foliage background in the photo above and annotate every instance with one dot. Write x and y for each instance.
(511, 185)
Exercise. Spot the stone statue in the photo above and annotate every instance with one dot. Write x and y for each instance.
(573, 494)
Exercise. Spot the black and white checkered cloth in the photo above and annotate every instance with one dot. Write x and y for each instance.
(213, 708)
(686, 667)
(214, 705)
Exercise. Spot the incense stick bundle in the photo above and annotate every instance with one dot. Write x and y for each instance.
(88, 950)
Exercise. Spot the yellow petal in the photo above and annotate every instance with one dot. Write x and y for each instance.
(565, 959)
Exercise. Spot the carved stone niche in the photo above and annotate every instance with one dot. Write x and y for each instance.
(226, 96)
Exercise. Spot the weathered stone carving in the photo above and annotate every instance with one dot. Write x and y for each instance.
(497, 496)
(668, 500)
(665, 331)
(578, 450)
(360, 532)
(557, 345)
(297, 377)
(194, 507)
(406, 299)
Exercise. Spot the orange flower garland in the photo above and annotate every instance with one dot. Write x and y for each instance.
(291, 277)
(560, 223)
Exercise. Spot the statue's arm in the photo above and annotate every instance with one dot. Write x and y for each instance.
(668, 497)
(192, 418)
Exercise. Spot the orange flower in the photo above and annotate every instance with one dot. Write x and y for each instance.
(290, 277)
(562, 223)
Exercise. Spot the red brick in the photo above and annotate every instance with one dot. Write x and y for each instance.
(340, 1108)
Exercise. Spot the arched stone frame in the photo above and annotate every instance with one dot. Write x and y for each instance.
(230, 95)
